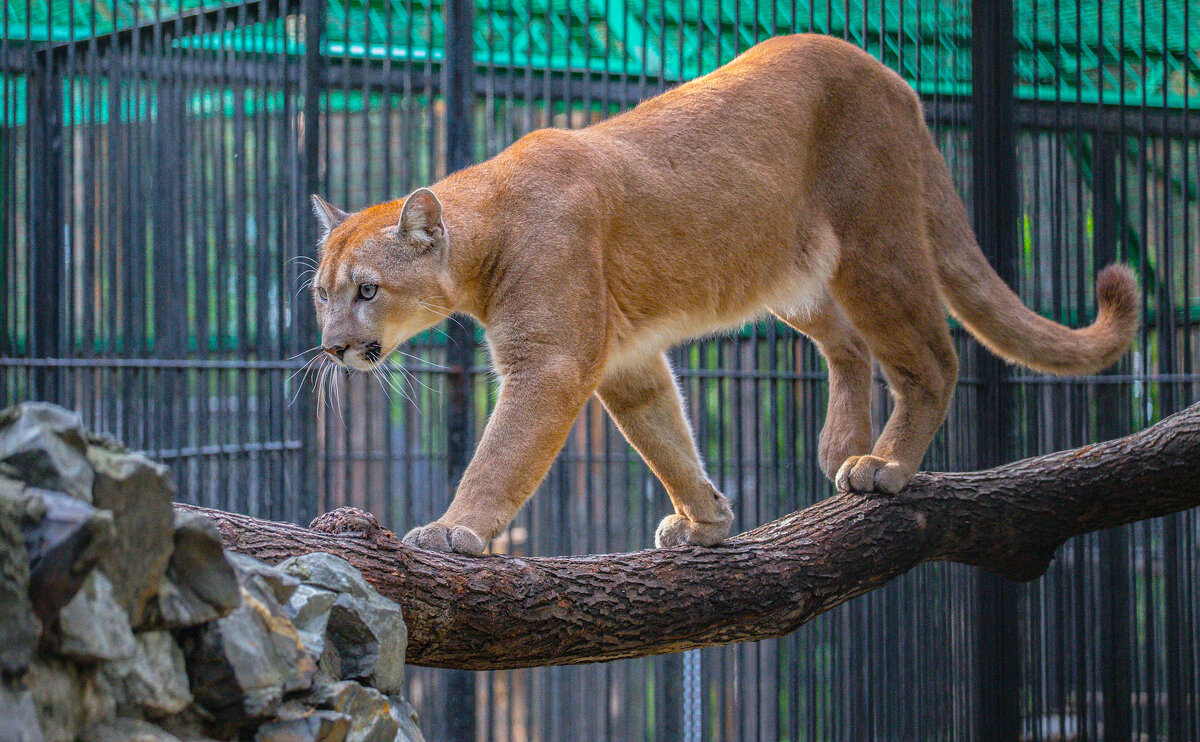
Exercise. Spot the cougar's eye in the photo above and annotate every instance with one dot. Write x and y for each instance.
(367, 291)
(321, 293)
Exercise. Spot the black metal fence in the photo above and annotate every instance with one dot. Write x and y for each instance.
(155, 162)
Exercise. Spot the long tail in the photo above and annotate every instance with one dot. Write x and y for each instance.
(993, 313)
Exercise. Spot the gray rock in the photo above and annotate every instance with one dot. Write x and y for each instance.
(309, 608)
(366, 629)
(178, 608)
(370, 638)
(200, 584)
(192, 725)
(280, 583)
(329, 572)
(242, 665)
(330, 663)
(92, 627)
(139, 493)
(19, 627)
(375, 657)
(239, 656)
(126, 730)
(68, 697)
(154, 682)
(18, 500)
(316, 726)
(369, 710)
(45, 446)
(64, 544)
(18, 716)
(406, 718)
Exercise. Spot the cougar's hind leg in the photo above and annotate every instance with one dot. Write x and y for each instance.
(897, 308)
(644, 401)
(847, 428)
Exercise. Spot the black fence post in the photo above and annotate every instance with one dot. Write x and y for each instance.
(312, 81)
(459, 87)
(45, 219)
(1112, 421)
(994, 191)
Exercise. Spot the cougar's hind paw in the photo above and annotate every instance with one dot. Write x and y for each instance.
(871, 474)
(446, 538)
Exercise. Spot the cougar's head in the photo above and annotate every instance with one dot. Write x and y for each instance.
(381, 277)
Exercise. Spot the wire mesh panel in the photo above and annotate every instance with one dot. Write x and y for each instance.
(1110, 647)
(152, 207)
(156, 157)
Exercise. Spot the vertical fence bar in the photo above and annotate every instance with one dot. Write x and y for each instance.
(312, 81)
(994, 191)
(459, 87)
(1112, 405)
(45, 218)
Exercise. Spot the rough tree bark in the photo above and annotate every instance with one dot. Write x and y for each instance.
(503, 612)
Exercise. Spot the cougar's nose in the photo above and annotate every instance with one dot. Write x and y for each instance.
(337, 351)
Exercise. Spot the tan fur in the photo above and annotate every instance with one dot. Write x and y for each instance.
(799, 179)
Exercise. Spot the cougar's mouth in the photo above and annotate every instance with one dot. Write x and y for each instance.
(372, 352)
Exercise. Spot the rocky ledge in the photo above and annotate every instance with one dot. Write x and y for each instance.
(123, 620)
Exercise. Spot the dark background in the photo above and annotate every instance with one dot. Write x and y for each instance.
(155, 162)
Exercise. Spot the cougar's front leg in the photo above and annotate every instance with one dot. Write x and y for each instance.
(645, 403)
(538, 402)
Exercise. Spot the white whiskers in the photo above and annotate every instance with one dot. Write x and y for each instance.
(326, 386)
(327, 379)
(425, 363)
(387, 382)
(441, 312)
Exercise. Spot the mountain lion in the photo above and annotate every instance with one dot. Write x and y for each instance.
(799, 179)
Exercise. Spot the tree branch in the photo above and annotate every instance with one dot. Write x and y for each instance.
(504, 612)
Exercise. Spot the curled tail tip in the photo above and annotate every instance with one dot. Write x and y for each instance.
(1118, 295)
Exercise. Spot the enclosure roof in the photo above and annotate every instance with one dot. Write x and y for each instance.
(1126, 53)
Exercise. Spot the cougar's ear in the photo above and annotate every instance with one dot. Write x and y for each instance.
(421, 219)
(327, 214)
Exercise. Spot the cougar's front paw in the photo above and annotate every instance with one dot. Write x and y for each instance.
(871, 474)
(442, 537)
(677, 530)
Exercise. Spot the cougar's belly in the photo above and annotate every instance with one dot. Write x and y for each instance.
(794, 289)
